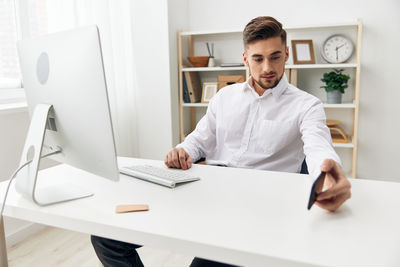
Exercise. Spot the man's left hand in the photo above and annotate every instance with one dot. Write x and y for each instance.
(336, 184)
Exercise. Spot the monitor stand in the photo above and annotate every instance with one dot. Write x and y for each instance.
(26, 180)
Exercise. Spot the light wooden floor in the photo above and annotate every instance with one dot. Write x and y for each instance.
(62, 248)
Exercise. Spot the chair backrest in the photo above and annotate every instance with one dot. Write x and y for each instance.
(304, 169)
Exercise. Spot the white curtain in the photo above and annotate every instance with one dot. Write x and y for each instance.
(114, 19)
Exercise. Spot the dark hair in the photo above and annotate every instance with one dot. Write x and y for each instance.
(262, 28)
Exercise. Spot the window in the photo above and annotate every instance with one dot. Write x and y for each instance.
(27, 19)
(10, 76)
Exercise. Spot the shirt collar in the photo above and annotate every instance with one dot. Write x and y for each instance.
(277, 91)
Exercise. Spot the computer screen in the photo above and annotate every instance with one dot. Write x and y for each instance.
(64, 71)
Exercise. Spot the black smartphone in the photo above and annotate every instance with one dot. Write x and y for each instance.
(316, 188)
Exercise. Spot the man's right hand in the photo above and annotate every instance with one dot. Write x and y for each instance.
(178, 158)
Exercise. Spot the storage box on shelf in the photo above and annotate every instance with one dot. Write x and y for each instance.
(229, 48)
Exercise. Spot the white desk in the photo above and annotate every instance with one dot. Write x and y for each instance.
(245, 217)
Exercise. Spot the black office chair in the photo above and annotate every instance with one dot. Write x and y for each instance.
(200, 160)
(304, 168)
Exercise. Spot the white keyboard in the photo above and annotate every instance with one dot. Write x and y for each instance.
(162, 176)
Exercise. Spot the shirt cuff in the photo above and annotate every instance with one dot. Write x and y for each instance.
(190, 149)
(314, 166)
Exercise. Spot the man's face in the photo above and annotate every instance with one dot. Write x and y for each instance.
(266, 60)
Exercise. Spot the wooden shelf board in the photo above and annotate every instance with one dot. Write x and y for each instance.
(291, 66)
(343, 145)
(325, 25)
(214, 68)
(343, 105)
(188, 33)
(321, 66)
(300, 27)
(194, 105)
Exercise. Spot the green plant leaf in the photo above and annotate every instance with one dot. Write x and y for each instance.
(335, 80)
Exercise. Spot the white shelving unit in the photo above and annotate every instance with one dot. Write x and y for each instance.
(188, 111)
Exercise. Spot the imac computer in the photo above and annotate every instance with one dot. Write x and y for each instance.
(66, 92)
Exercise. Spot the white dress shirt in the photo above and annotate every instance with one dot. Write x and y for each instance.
(274, 131)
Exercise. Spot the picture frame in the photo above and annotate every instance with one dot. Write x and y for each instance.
(209, 90)
(303, 52)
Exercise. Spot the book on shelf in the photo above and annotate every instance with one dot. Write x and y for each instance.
(186, 98)
(193, 86)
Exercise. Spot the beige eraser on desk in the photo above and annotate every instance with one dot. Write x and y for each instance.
(131, 208)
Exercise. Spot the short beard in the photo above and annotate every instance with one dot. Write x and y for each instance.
(269, 87)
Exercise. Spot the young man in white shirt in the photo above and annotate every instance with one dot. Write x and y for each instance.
(265, 123)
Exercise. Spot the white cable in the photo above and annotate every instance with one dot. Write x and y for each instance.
(13, 176)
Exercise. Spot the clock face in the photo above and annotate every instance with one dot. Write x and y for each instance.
(337, 49)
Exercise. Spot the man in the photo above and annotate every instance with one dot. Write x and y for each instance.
(264, 123)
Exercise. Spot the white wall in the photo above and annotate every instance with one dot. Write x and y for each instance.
(153, 95)
(378, 123)
(177, 20)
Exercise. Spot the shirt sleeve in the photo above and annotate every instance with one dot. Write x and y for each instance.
(202, 141)
(316, 138)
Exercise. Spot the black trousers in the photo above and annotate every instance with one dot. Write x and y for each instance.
(113, 253)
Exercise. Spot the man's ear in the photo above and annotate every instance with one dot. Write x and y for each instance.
(287, 53)
(246, 62)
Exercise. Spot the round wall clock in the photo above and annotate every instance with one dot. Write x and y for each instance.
(337, 49)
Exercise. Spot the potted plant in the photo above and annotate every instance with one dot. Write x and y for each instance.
(335, 82)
